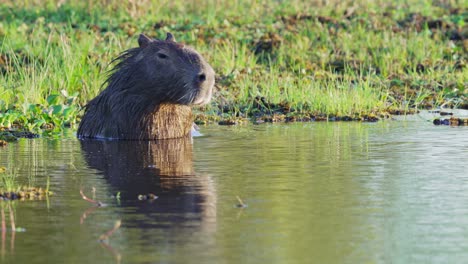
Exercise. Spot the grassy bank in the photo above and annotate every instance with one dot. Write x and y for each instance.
(273, 59)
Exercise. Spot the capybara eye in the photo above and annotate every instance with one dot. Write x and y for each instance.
(202, 77)
(162, 56)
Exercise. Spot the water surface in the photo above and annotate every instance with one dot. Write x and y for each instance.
(386, 192)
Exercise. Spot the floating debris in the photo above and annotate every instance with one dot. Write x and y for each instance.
(228, 122)
(3, 143)
(241, 204)
(116, 196)
(24, 193)
(98, 203)
(451, 122)
(402, 112)
(445, 113)
(149, 196)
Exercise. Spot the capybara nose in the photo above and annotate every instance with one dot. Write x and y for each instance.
(202, 77)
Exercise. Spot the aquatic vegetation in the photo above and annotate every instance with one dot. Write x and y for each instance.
(24, 193)
(56, 113)
(11, 189)
(149, 196)
(347, 60)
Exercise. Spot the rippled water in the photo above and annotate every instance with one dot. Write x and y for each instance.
(386, 192)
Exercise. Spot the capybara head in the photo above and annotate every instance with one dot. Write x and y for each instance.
(157, 75)
(167, 71)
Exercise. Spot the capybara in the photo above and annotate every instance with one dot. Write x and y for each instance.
(149, 93)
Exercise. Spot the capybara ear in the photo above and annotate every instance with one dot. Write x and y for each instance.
(144, 40)
(170, 37)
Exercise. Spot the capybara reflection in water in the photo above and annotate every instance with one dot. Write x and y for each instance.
(149, 93)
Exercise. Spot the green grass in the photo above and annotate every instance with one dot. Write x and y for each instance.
(55, 54)
(8, 180)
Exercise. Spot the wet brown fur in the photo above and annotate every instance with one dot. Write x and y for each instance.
(149, 95)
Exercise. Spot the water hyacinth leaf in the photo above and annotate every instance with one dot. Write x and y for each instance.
(23, 119)
(57, 109)
(69, 113)
(8, 118)
(34, 109)
(71, 99)
(39, 122)
(57, 121)
(53, 99)
(45, 116)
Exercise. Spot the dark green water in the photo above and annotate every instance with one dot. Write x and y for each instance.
(387, 192)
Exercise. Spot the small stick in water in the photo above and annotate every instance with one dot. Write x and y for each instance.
(98, 203)
(241, 204)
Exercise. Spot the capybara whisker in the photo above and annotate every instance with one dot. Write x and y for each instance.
(149, 93)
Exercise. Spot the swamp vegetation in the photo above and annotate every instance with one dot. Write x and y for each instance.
(356, 192)
(275, 60)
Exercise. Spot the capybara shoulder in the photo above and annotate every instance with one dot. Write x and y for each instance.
(149, 93)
